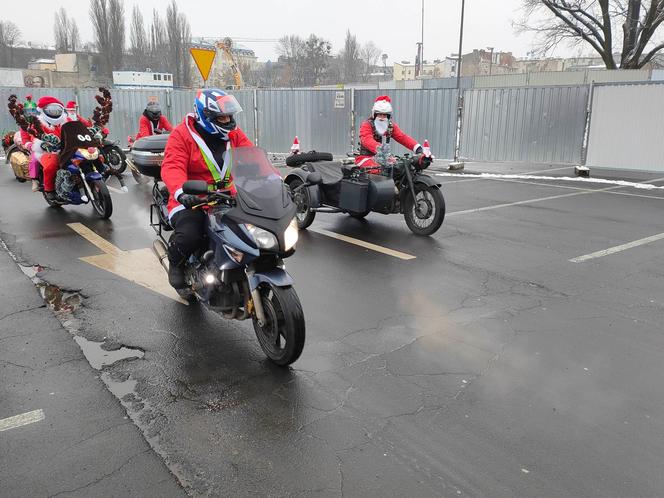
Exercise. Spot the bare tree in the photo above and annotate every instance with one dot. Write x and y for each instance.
(623, 29)
(350, 56)
(369, 53)
(67, 37)
(291, 50)
(10, 35)
(116, 26)
(158, 43)
(178, 33)
(137, 37)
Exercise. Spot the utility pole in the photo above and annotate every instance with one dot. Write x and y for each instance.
(422, 42)
(456, 165)
(491, 59)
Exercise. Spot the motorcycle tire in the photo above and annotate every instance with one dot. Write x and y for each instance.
(21, 180)
(307, 157)
(304, 215)
(282, 336)
(115, 159)
(432, 202)
(101, 199)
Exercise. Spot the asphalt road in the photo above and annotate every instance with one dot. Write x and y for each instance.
(488, 365)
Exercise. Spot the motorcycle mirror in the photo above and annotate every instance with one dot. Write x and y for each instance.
(207, 256)
(195, 187)
(314, 178)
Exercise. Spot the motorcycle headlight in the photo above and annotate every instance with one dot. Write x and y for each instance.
(291, 235)
(264, 239)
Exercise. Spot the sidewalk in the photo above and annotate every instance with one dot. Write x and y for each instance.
(61, 432)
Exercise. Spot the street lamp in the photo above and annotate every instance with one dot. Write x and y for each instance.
(491, 59)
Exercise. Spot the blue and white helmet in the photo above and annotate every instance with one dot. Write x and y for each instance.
(210, 105)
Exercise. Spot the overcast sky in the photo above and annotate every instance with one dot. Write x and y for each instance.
(393, 25)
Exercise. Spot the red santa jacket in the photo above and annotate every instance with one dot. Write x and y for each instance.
(183, 159)
(146, 128)
(370, 140)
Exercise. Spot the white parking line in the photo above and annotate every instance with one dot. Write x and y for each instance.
(366, 245)
(21, 420)
(620, 248)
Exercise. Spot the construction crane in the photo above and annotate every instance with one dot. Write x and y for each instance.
(226, 46)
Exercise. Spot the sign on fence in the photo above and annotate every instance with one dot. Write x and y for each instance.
(340, 100)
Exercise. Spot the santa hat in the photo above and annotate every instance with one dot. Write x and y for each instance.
(71, 105)
(48, 100)
(295, 148)
(382, 105)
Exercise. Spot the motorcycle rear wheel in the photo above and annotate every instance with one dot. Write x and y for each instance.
(101, 199)
(282, 336)
(115, 159)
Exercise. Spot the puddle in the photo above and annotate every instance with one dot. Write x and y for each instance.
(119, 388)
(98, 357)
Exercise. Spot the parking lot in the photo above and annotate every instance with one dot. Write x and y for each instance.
(517, 352)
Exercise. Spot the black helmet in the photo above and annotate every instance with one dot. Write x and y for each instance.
(153, 111)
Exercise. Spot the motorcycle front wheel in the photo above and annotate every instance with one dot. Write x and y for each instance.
(282, 336)
(426, 212)
(101, 199)
(304, 215)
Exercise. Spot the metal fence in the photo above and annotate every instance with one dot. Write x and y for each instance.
(320, 118)
(626, 127)
(524, 124)
(423, 114)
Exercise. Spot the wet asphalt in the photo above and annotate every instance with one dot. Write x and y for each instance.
(489, 365)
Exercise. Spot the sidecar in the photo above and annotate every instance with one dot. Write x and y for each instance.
(345, 189)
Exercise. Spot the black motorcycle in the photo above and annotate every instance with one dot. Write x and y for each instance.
(400, 186)
(240, 272)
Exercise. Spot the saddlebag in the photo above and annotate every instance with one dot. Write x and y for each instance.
(354, 195)
(19, 162)
(147, 154)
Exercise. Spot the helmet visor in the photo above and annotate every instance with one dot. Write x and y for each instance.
(53, 110)
(228, 105)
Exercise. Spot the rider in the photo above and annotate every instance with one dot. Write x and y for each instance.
(195, 151)
(51, 116)
(152, 122)
(72, 114)
(377, 127)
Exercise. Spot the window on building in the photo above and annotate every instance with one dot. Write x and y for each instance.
(154, 77)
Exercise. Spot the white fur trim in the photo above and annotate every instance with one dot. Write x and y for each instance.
(415, 148)
(176, 209)
(382, 107)
(364, 161)
(177, 193)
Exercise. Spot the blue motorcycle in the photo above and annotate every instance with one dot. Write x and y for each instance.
(240, 272)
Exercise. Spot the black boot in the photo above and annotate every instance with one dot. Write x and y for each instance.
(176, 276)
(50, 196)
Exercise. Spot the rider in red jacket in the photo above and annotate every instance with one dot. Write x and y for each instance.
(377, 127)
(152, 121)
(196, 150)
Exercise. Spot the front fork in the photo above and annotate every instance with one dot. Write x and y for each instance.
(86, 187)
(256, 299)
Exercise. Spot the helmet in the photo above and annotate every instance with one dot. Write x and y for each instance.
(210, 105)
(382, 105)
(53, 112)
(153, 111)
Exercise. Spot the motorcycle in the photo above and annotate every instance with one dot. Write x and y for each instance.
(240, 272)
(397, 186)
(81, 182)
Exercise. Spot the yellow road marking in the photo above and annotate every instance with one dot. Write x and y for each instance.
(366, 245)
(140, 266)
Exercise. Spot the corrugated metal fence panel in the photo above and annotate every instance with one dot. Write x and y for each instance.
(657, 75)
(557, 78)
(615, 140)
(500, 80)
(466, 82)
(422, 114)
(311, 115)
(618, 75)
(524, 124)
(7, 123)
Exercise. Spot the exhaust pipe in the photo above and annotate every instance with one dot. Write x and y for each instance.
(161, 251)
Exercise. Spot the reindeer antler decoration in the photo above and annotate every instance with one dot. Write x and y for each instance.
(16, 110)
(102, 112)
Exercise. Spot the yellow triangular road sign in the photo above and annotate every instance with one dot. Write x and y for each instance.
(203, 58)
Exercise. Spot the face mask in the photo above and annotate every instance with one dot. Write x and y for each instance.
(381, 126)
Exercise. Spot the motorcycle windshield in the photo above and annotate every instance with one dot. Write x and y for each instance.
(260, 189)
